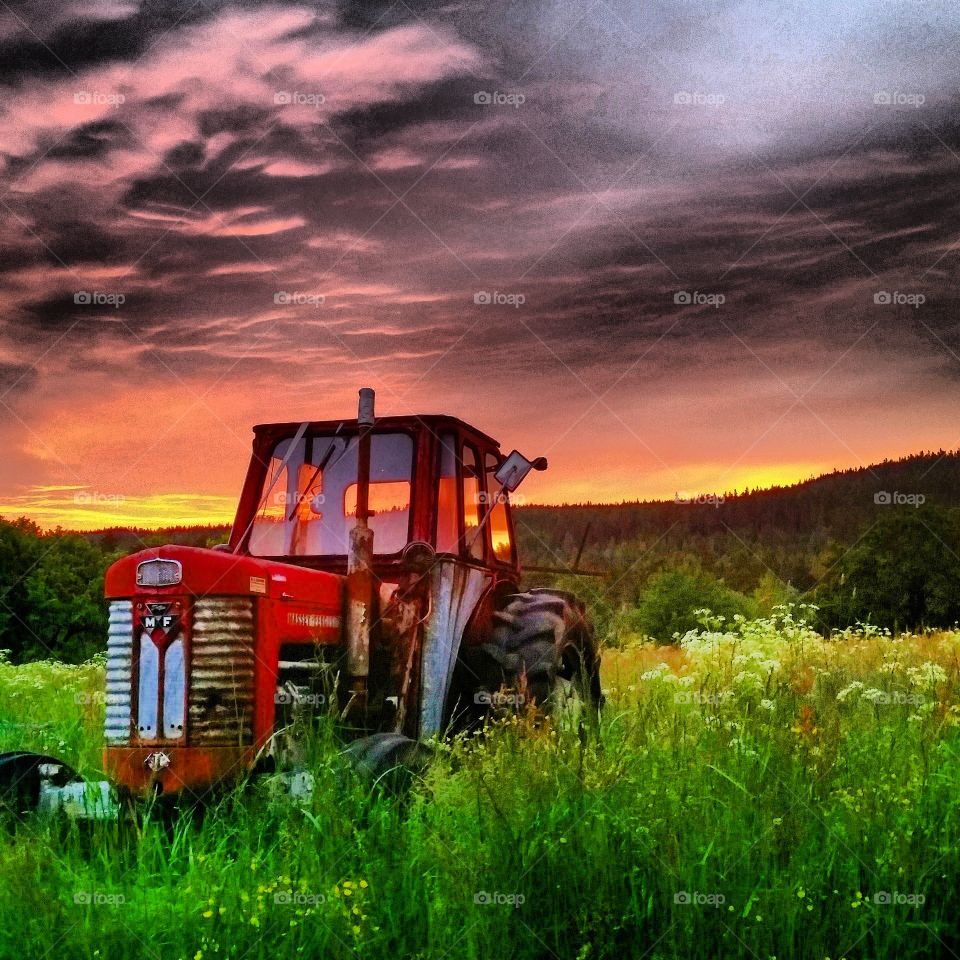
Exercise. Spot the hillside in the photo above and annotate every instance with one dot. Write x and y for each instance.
(792, 532)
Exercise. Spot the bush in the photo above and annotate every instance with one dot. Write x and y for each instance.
(671, 598)
(67, 616)
(51, 593)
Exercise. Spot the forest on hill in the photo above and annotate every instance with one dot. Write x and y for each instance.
(879, 544)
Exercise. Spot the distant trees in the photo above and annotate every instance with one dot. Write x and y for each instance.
(837, 541)
(51, 593)
(19, 548)
(903, 572)
(66, 613)
(834, 541)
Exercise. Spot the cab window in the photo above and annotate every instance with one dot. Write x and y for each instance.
(310, 496)
(472, 503)
(448, 524)
(499, 522)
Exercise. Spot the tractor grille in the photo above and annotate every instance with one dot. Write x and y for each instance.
(221, 671)
(119, 659)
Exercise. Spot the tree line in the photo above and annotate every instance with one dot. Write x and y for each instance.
(878, 545)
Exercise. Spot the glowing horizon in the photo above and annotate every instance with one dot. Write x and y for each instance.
(79, 509)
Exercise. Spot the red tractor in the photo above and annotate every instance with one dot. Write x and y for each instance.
(372, 564)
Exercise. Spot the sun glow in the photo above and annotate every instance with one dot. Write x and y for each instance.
(80, 508)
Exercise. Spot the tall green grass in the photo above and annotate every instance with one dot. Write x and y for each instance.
(761, 792)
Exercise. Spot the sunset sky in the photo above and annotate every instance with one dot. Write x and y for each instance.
(718, 240)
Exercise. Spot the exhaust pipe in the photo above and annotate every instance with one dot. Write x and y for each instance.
(360, 585)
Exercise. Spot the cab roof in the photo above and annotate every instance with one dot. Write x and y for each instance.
(433, 422)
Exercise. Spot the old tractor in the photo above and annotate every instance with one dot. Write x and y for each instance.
(372, 564)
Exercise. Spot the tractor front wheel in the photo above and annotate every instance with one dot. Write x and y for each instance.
(22, 775)
(388, 756)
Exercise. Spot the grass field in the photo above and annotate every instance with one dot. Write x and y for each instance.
(758, 792)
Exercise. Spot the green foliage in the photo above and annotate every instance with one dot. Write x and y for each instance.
(51, 593)
(777, 795)
(774, 546)
(671, 599)
(51, 585)
(904, 572)
(771, 592)
(67, 615)
(19, 549)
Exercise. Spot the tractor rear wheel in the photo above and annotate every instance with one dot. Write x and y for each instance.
(541, 652)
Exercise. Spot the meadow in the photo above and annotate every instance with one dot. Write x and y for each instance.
(756, 791)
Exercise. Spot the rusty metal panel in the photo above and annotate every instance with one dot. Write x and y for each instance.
(119, 672)
(456, 590)
(221, 671)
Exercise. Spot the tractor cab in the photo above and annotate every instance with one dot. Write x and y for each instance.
(415, 512)
(432, 492)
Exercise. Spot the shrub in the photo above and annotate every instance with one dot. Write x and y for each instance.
(671, 598)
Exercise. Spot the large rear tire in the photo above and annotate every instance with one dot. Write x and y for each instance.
(541, 652)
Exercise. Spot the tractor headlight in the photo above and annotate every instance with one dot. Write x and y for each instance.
(159, 573)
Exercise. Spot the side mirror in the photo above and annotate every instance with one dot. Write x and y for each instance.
(514, 469)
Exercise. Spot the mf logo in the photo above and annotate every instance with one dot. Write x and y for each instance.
(160, 616)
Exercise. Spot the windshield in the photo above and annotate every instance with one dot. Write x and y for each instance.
(309, 496)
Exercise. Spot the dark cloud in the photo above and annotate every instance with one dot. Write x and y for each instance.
(190, 153)
(522, 150)
(76, 241)
(16, 376)
(72, 45)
